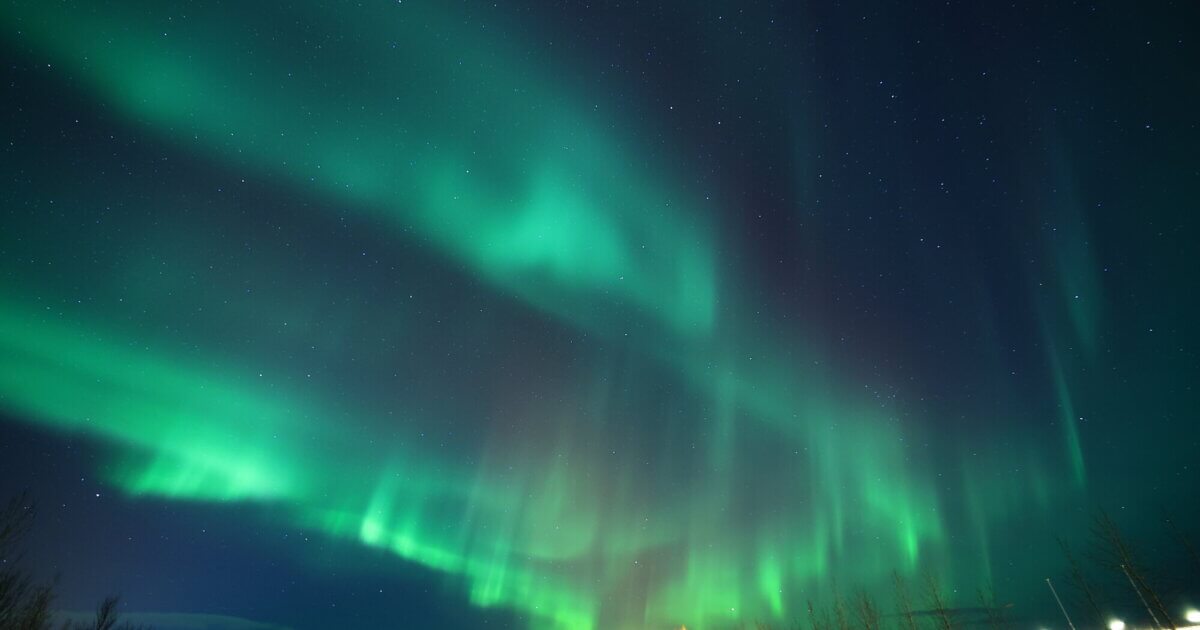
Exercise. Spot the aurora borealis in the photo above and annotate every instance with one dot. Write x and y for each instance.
(594, 317)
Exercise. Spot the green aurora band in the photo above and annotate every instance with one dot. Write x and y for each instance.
(474, 154)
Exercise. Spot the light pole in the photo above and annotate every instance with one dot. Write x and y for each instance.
(1141, 597)
(1060, 604)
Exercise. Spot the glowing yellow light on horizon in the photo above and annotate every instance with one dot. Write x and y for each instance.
(1192, 615)
(1116, 624)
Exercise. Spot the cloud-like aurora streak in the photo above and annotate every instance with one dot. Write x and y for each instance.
(521, 539)
(471, 152)
(562, 217)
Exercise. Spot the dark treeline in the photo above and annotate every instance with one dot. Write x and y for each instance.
(25, 604)
(1105, 578)
(1106, 575)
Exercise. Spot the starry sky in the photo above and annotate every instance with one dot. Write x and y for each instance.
(592, 315)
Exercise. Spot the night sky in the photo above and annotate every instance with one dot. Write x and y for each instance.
(558, 315)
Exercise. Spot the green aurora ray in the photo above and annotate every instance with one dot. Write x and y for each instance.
(477, 155)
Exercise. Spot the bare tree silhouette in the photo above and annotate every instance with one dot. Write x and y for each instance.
(107, 617)
(1119, 556)
(1083, 586)
(815, 621)
(908, 620)
(937, 603)
(1183, 540)
(868, 614)
(25, 605)
(994, 611)
(839, 609)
